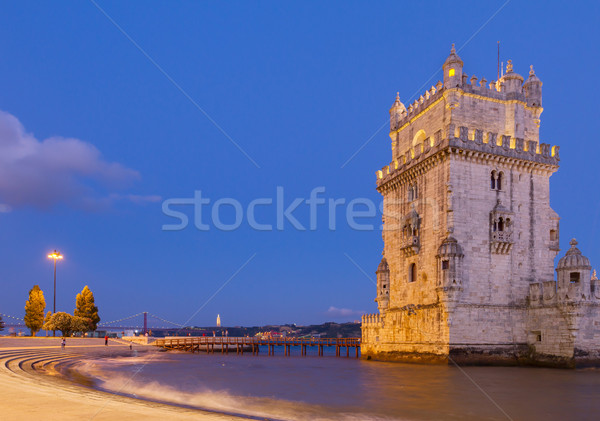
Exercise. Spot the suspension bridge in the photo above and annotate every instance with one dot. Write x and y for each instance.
(143, 322)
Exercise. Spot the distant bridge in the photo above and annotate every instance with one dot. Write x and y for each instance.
(143, 321)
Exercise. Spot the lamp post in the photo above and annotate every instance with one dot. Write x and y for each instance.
(56, 256)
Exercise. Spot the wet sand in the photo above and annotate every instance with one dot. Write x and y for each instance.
(31, 388)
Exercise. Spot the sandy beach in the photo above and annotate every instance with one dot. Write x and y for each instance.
(32, 389)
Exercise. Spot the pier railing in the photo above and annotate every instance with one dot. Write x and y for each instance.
(241, 344)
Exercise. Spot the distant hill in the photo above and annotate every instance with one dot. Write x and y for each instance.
(325, 330)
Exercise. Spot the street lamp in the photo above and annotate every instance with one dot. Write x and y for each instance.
(56, 256)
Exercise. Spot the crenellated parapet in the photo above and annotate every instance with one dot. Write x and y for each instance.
(465, 140)
(401, 116)
(509, 88)
(371, 320)
(543, 294)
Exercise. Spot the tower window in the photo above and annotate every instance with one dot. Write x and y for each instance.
(500, 224)
(574, 277)
(412, 272)
(451, 72)
(413, 192)
(445, 264)
(553, 236)
(496, 180)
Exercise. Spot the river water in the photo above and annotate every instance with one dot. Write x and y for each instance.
(333, 388)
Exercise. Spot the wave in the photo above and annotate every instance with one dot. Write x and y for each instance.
(204, 398)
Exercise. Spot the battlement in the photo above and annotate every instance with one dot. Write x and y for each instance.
(371, 320)
(475, 140)
(494, 90)
(547, 294)
(429, 97)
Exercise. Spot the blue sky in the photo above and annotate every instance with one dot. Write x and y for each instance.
(300, 87)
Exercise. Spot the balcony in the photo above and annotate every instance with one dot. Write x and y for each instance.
(410, 245)
(501, 242)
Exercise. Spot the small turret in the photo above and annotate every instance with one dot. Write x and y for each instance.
(511, 81)
(573, 273)
(533, 89)
(397, 112)
(383, 285)
(449, 262)
(453, 70)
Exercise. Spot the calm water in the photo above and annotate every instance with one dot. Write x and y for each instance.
(330, 388)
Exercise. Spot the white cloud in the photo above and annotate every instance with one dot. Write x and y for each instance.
(44, 173)
(343, 312)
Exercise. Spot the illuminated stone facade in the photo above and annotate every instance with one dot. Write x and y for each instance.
(469, 235)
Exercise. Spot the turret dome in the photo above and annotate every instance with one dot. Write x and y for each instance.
(532, 77)
(383, 266)
(573, 258)
(453, 58)
(450, 247)
(512, 81)
(533, 89)
(398, 106)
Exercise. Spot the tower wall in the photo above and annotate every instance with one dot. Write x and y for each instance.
(470, 237)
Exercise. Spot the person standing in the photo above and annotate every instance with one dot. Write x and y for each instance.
(63, 343)
(106, 339)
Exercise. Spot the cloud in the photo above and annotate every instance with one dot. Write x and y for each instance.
(343, 312)
(44, 173)
(134, 198)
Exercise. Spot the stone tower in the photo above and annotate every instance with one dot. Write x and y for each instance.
(468, 227)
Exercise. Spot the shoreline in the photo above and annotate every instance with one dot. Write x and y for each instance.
(33, 387)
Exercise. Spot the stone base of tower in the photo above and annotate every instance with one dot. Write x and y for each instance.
(484, 354)
(551, 335)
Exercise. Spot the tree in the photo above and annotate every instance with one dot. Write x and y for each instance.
(85, 307)
(34, 310)
(80, 324)
(60, 321)
(47, 321)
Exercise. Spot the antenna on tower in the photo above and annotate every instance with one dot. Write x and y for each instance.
(498, 60)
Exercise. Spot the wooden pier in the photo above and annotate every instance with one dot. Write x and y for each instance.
(241, 345)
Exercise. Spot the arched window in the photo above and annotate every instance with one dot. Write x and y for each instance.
(412, 192)
(419, 137)
(493, 180)
(412, 272)
(500, 224)
(499, 181)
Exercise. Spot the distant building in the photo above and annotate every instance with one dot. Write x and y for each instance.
(470, 239)
(218, 320)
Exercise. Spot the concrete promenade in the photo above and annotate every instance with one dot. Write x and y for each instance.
(32, 390)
